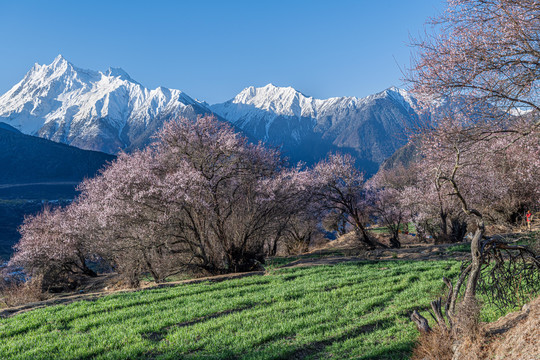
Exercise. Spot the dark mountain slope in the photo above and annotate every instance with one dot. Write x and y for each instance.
(29, 159)
(34, 172)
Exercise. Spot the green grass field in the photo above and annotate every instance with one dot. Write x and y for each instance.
(351, 310)
(459, 248)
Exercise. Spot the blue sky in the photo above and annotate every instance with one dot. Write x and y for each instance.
(214, 49)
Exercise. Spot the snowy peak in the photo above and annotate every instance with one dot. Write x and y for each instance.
(59, 65)
(46, 81)
(58, 69)
(119, 73)
(59, 60)
(267, 101)
(286, 101)
(400, 96)
(95, 110)
(269, 92)
(109, 111)
(307, 128)
(278, 100)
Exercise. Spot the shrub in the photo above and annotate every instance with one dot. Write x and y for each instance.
(15, 293)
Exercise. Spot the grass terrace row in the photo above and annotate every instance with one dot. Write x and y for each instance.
(358, 310)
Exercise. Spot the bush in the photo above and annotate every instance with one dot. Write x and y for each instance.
(15, 293)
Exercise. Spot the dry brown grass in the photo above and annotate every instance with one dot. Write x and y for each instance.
(434, 345)
(19, 293)
(520, 337)
(515, 336)
(461, 342)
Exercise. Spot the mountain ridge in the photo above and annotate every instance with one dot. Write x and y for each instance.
(110, 112)
(30, 159)
(93, 110)
(369, 128)
(35, 171)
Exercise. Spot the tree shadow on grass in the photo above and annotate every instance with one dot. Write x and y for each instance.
(392, 352)
(313, 348)
(159, 335)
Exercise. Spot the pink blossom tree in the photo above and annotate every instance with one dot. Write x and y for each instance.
(201, 198)
(423, 198)
(342, 191)
(51, 247)
(387, 192)
(485, 56)
(484, 52)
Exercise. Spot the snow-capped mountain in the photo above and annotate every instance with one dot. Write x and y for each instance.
(370, 128)
(105, 111)
(109, 111)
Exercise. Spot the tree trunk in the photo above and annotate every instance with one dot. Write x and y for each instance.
(476, 256)
(273, 247)
(394, 235)
(84, 268)
(89, 272)
(420, 321)
(394, 241)
(444, 225)
(365, 237)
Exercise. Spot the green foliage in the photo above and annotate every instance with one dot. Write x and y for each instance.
(530, 239)
(459, 248)
(277, 261)
(351, 310)
(409, 227)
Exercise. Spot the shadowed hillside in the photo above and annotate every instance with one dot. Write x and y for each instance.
(29, 159)
(36, 171)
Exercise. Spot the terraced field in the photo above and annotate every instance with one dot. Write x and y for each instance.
(350, 310)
